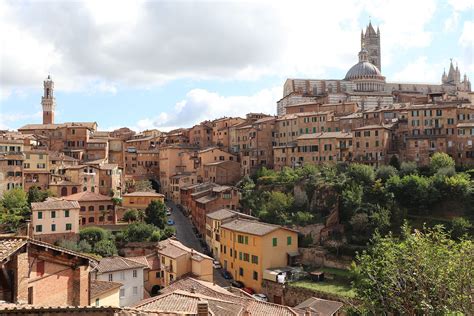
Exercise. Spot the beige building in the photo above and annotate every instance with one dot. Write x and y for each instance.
(222, 172)
(178, 260)
(55, 219)
(372, 144)
(140, 200)
(105, 293)
(179, 181)
(36, 169)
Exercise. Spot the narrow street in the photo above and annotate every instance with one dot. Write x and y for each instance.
(185, 234)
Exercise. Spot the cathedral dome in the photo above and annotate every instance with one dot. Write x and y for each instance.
(363, 69)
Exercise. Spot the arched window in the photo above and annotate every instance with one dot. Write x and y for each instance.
(91, 208)
(91, 219)
(74, 190)
(63, 191)
(83, 221)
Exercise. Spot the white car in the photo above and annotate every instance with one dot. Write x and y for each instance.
(168, 211)
(216, 264)
(260, 297)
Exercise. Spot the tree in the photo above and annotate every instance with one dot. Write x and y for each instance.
(139, 232)
(93, 235)
(394, 162)
(155, 214)
(407, 168)
(143, 185)
(130, 215)
(105, 248)
(361, 174)
(385, 172)
(14, 208)
(441, 160)
(35, 194)
(276, 208)
(421, 273)
(167, 232)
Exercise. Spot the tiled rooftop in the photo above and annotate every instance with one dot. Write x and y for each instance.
(87, 196)
(117, 263)
(54, 204)
(100, 287)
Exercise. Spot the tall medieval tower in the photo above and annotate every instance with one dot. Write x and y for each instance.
(371, 41)
(48, 102)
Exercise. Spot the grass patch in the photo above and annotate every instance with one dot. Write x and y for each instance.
(331, 287)
(337, 272)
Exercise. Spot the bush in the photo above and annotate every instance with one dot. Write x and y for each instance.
(385, 172)
(361, 174)
(155, 236)
(139, 232)
(105, 248)
(460, 227)
(130, 215)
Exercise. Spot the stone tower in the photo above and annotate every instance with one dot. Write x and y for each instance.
(48, 102)
(371, 41)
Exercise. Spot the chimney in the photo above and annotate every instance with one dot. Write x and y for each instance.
(29, 230)
(193, 289)
(202, 308)
(307, 311)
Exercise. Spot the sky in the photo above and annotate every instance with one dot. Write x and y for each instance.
(168, 64)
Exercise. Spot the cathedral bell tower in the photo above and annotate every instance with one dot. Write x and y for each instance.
(371, 41)
(48, 102)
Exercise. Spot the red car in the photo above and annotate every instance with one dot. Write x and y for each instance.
(248, 290)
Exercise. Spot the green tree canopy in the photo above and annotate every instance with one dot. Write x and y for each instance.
(407, 168)
(421, 273)
(130, 215)
(155, 214)
(362, 174)
(441, 160)
(35, 194)
(105, 248)
(93, 235)
(139, 232)
(385, 172)
(14, 208)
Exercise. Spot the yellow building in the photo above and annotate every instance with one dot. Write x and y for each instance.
(140, 200)
(177, 260)
(214, 220)
(105, 293)
(250, 247)
(36, 169)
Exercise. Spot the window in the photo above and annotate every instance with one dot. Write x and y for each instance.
(40, 215)
(53, 227)
(288, 240)
(53, 214)
(255, 275)
(240, 255)
(111, 278)
(157, 275)
(39, 228)
(122, 292)
(275, 242)
(255, 259)
(246, 257)
(97, 302)
(134, 273)
(241, 271)
(66, 213)
(122, 275)
(135, 290)
(68, 226)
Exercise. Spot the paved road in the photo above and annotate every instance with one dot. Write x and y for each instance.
(185, 234)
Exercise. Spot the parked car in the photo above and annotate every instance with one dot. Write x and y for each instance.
(260, 297)
(170, 222)
(216, 264)
(248, 290)
(237, 284)
(226, 274)
(168, 212)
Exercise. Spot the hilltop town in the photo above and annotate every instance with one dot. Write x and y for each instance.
(253, 215)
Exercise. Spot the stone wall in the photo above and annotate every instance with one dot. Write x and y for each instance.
(318, 256)
(291, 295)
(133, 249)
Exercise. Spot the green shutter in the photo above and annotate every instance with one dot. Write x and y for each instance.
(288, 240)
(53, 227)
(275, 242)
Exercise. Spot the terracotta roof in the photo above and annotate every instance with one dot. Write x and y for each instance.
(174, 249)
(182, 302)
(100, 287)
(206, 199)
(251, 227)
(8, 246)
(108, 166)
(255, 307)
(117, 263)
(140, 259)
(87, 196)
(322, 307)
(227, 213)
(221, 188)
(371, 127)
(142, 193)
(54, 204)
(89, 125)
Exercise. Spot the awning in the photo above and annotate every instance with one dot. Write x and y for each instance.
(293, 254)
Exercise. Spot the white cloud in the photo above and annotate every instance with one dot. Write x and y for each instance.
(147, 43)
(467, 36)
(7, 119)
(420, 68)
(457, 7)
(200, 105)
